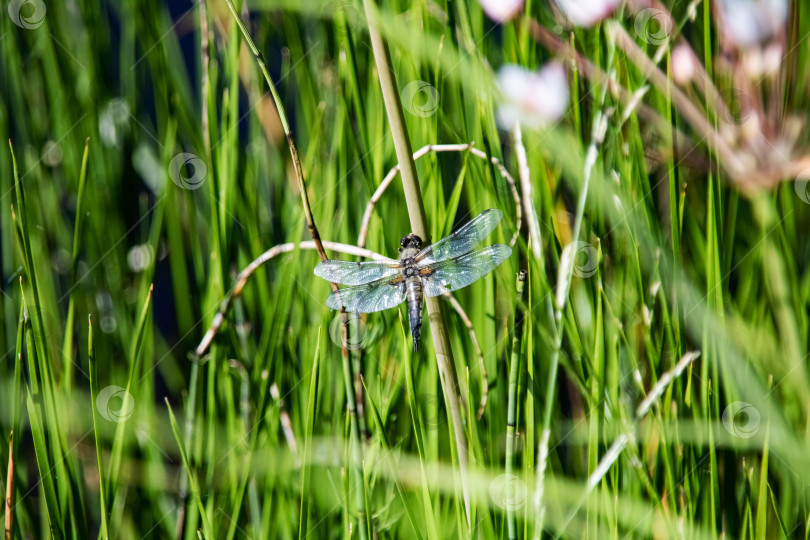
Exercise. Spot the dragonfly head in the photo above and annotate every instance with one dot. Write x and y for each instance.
(411, 241)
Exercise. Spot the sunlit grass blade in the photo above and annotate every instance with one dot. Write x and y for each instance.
(67, 344)
(312, 407)
(102, 484)
(208, 531)
(119, 441)
(34, 402)
(515, 369)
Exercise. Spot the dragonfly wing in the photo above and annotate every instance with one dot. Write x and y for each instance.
(356, 273)
(463, 240)
(370, 297)
(453, 274)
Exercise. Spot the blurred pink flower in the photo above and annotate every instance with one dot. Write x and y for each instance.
(683, 64)
(586, 13)
(501, 10)
(533, 98)
(750, 22)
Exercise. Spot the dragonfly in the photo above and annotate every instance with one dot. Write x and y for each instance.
(446, 265)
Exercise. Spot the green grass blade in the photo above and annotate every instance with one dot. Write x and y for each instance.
(208, 531)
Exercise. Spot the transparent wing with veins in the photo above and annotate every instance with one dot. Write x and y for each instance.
(461, 241)
(370, 297)
(453, 274)
(356, 273)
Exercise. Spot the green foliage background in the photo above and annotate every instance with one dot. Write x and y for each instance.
(685, 263)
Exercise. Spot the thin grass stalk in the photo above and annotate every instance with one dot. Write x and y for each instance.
(29, 262)
(478, 352)
(563, 287)
(282, 114)
(312, 405)
(9, 487)
(535, 240)
(36, 419)
(615, 450)
(243, 485)
(391, 464)
(254, 435)
(16, 408)
(675, 190)
(93, 367)
(208, 531)
(416, 212)
(188, 427)
(355, 441)
(351, 398)
(418, 430)
(37, 348)
(358, 367)
(511, 412)
(67, 344)
(194, 374)
(119, 441)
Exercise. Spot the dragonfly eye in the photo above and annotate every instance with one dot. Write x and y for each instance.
(411, 241)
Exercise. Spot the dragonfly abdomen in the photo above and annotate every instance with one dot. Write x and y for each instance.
(413, 292)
